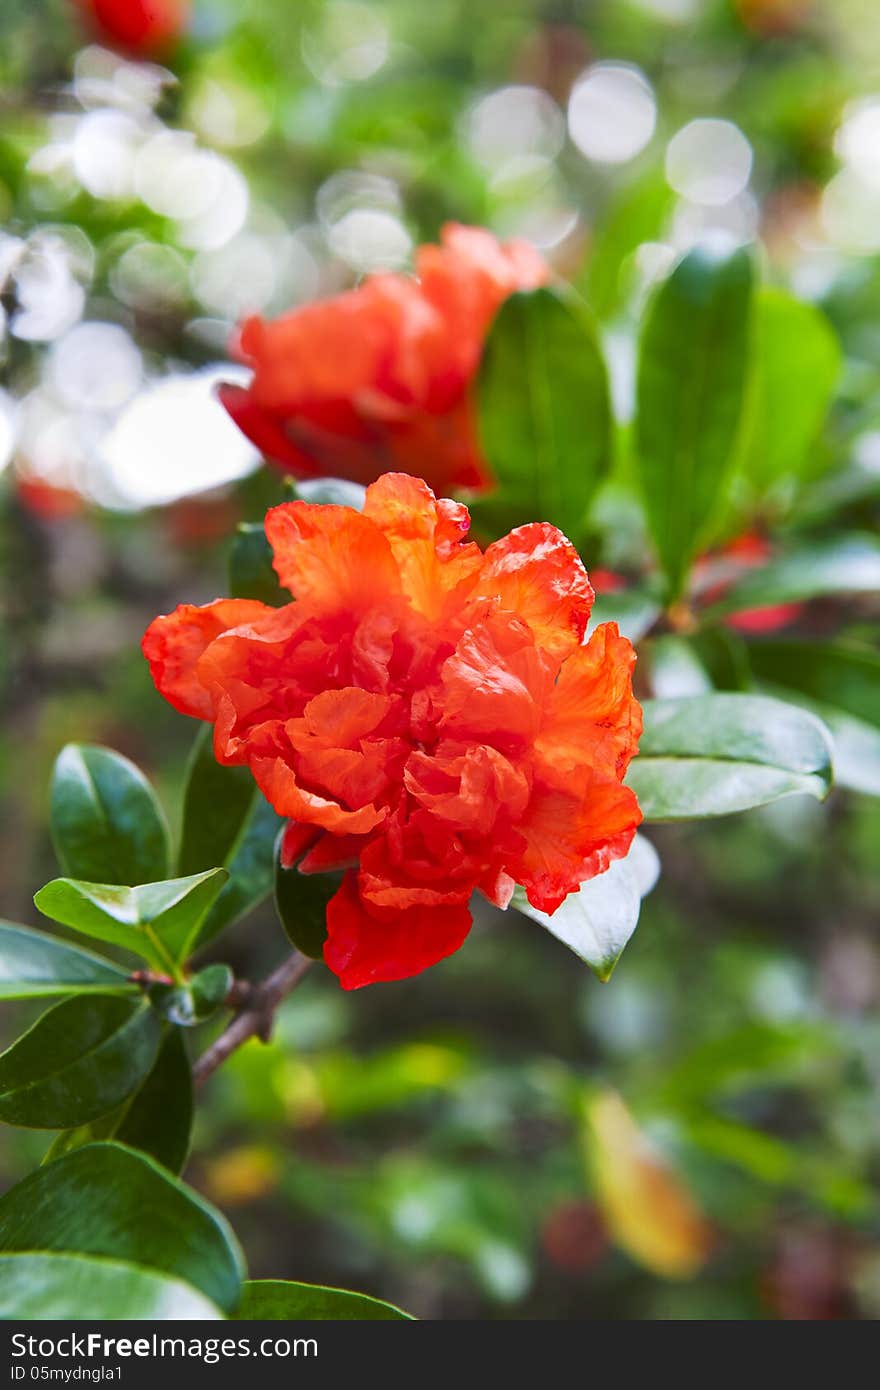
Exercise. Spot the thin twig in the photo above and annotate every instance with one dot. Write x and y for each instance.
(256, 1017)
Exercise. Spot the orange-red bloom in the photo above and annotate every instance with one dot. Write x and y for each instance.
(377, 378)
(425, 714)
(141, 27)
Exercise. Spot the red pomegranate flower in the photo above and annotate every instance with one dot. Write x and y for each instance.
(141, 27)
(377, 379)
(425, 714)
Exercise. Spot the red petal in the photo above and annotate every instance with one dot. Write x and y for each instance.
(363, 948)
(173, 644)
(332, 555)
(537, 574)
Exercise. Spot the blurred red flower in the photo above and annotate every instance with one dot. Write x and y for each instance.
(425, 714)
(718, 572)
(377, 378)
(141, 27)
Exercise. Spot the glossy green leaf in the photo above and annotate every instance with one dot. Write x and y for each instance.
(78, 1288)
(106, 1200)
(794, 367)
(712, 755)
(691, 375)
(157, 921)
(250, 567)
(78, 1061)
(156, 1119)
(227, 820)
(598, 920)
(195, 1001)
(33, 964)
(283, 1300)
(301, 903)
(107, 824)
(545, 421)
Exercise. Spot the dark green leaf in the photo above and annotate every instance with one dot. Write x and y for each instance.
(157, 921)
(598, 920)
(250, 567)
(75, 1288)
(793, 371)
(157, 1119)
(545, 421)
(301, 902)
(227, 820)
(691, 374)
(847, 565)
(33, 964)
(716, 754)
(189, 1004)
(107, 824)
(78, 1061)
(107, 1200)
(281, 1300)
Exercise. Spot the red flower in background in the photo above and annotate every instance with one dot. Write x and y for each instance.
(425, 714)
(377, 378)
(141, 27)
(749, 551)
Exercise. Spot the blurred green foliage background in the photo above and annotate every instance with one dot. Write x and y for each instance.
(431, 1141)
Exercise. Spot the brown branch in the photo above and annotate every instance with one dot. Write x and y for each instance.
(256, 1016)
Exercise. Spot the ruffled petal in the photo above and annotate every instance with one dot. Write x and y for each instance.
(537, 574)
(572, 835)
(174, 643)
(365, 947)
(333, 556)
(592, 716)
(278, 783)
(427, 539)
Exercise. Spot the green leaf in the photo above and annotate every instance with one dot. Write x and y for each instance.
(301, 903)
(712, 755)
(157, 1119)
(157, 921)
(192, 1003)
(279, 1300)
(106, 822)
(794, 368)
(636, 215)
(334, 492)
(227, 820)
(691, 374)
(33, 965)
(545, 419)
(107, 1200)
(598, 920)
(250, 566)
(845, 565)
(78, 1061)
(79, 1288)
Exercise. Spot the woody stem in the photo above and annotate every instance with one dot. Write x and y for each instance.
(255, 1017)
